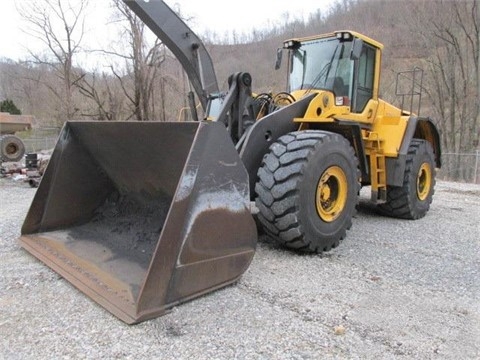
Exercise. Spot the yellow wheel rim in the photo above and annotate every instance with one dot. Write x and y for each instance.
(331, 196)
(424, 181)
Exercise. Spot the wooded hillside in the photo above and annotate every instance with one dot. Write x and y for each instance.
(140, 79)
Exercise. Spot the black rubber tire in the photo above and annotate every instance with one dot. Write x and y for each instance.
(11, 148)
(287, 186)
(403, 202)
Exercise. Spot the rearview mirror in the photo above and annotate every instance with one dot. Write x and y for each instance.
(278, 62)
(356, 49)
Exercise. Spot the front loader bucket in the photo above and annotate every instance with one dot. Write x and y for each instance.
(141, 216)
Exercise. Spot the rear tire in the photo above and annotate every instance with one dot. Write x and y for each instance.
(11, 148)
(412, 200)
(307, 190)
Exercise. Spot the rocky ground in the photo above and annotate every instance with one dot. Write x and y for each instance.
(392, 289)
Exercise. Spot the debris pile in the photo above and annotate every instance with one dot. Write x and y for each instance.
(30, 169)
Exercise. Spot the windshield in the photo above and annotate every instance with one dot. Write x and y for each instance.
(322, 64)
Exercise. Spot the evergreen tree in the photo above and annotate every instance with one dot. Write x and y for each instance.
(9, 107)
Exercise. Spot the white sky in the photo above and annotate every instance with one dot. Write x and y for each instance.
(220, 16)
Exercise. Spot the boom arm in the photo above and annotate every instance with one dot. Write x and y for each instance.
(182, 42)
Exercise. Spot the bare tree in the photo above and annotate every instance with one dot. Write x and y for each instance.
(451, 32)
(142, 65)
(23, 82)
(60, 26)
(106, 98)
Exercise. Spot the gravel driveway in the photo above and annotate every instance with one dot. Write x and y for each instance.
(392, 289)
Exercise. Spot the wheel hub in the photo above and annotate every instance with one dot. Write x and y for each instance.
(11, 149)
(424, 181)
(331, 195)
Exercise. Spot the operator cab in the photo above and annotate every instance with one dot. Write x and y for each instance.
(342, 62)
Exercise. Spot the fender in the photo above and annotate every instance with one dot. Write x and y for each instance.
(266, 131)
(418, 128)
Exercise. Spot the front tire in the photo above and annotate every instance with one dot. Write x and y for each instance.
(412, 200)
(307, 190)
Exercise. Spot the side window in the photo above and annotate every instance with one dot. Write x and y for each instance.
(366, 70)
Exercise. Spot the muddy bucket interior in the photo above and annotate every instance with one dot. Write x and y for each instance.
(141, 216)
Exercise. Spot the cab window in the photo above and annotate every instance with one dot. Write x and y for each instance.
(365, 78)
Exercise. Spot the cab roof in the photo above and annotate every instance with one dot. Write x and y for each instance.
(335, 33)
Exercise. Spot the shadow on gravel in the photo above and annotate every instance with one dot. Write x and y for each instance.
(367, 208)
(271, 245)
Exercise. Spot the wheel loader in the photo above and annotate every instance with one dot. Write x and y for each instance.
(142, 216)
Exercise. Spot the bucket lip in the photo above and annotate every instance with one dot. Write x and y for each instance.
(82, 280)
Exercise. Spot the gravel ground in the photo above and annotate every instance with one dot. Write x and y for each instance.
(392, 289)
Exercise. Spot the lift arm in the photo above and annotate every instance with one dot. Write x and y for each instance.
(182, 42)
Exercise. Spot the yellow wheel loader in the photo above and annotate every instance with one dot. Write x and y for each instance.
(142, 216)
